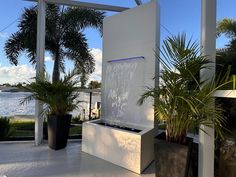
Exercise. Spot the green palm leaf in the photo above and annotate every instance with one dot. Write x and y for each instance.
(64, 38)
(59, 98)
(182, 100)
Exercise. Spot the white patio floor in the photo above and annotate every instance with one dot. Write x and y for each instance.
(23, 159)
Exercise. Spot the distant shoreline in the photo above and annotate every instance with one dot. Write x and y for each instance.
(16, 89)
(21, 117)
(11, 89)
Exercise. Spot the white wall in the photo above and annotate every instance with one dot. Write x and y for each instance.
(132, 33)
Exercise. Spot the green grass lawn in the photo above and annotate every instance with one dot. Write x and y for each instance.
(25, 128)
(76, 130)
(22, 128)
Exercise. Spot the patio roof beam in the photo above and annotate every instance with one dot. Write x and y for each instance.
(86, 5)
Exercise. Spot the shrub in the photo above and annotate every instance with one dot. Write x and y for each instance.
(22, 128)
(22, 125)
(5, 128)
(76, 120)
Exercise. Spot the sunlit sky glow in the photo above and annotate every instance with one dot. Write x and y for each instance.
(176, 16)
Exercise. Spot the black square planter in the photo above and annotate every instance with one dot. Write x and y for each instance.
(172, 159)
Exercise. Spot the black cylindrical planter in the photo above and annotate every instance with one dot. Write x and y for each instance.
(171, 159)
(58, 131)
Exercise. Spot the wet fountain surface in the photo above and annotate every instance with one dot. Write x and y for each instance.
(122, 87)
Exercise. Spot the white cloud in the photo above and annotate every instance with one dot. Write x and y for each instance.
(16, 74)
(97, 54)
(23, 73)
(4, 35)
(48, 58)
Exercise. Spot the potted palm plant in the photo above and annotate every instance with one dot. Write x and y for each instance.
(183, 102)
(59, 98)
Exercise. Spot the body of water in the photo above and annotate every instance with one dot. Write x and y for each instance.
(10, 104)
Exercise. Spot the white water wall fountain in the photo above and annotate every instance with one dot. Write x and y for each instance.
(120, 87)
(124, 134)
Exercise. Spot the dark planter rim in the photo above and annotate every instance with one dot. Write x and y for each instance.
(54, 115)
(189, 140)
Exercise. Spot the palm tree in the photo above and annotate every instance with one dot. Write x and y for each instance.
(227, 27)
(227, 55)
(64, 37)
(94, 84)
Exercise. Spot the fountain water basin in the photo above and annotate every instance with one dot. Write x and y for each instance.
(127, 149)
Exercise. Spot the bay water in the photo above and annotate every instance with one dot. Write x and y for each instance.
(10, 104)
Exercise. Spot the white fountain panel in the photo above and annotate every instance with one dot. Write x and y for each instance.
(121, 86)
(128, 67)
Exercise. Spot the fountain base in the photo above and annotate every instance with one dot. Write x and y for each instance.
(128, 149)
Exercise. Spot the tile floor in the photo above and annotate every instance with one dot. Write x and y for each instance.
(23, 159)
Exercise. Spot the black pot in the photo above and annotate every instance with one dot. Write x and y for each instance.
(58, 131)
(45, 130)
(172, 159)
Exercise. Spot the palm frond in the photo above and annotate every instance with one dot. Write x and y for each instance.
(59, 97)
(182, 100)
(64, 37)
(227, 26)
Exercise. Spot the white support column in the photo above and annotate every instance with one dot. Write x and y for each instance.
(40, 67)
(208, 42)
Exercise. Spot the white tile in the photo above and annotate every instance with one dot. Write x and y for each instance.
(26, 160)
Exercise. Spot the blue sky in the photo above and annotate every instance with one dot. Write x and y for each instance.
(176, 16)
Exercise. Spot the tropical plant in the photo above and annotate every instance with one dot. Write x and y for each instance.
(64, 37)
(94, 84)
(182, 100)
(59, 97)
(226, 56)
(76, 119)
(5, 128)
(227, 27)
